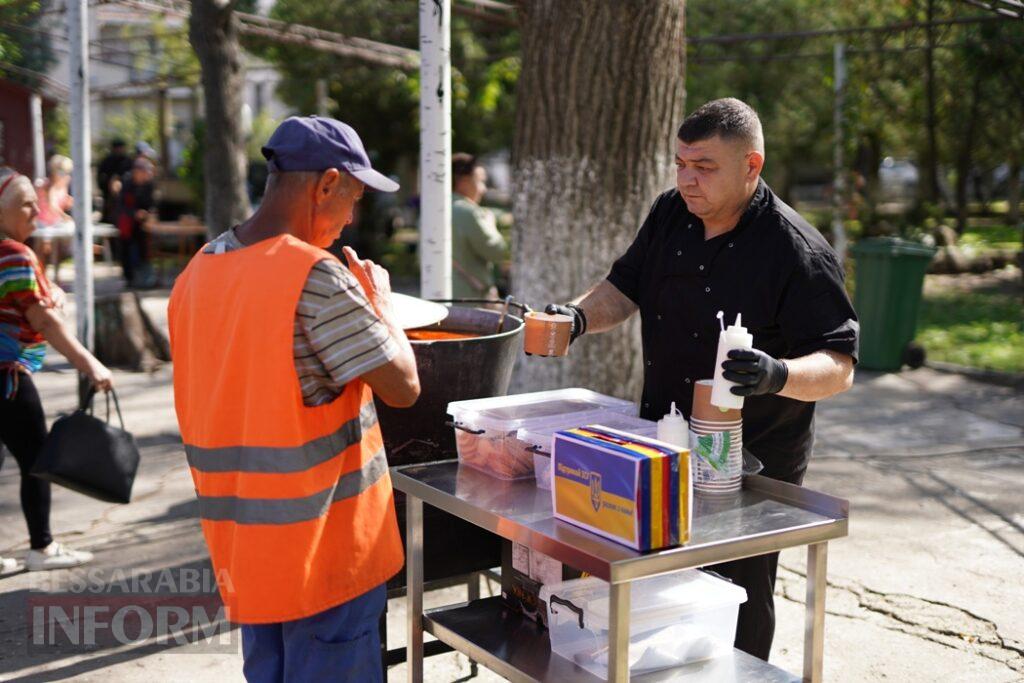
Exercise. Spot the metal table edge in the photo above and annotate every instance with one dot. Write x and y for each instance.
(666, 561)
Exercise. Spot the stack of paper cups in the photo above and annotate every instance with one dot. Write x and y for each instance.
(716, 444)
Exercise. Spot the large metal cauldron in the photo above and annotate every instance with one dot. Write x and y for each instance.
(450, 370)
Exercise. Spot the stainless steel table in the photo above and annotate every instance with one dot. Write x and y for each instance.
(764, 517)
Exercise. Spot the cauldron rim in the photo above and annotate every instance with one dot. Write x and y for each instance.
(517, 329)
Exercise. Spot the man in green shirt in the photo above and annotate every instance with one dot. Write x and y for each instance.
(476, 242)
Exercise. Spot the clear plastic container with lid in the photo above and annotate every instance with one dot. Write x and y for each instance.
(675, 619)
(539, 437)
(486, 429)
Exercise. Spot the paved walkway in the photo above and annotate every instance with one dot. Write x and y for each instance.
(927, 586)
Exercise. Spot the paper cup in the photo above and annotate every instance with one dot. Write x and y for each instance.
(702, 408)
(547, 334)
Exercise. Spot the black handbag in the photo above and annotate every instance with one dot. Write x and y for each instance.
(90, 455)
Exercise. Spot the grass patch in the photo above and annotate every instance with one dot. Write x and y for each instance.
(992, 236)
(982, 329)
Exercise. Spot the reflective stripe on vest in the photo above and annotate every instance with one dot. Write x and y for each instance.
(292, 510)
(267, 459)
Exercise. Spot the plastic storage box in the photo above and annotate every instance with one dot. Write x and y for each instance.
(486, 429)
(674, 619)
(539, 438)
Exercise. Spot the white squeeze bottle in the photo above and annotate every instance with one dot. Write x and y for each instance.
(733, 337)
(673, 428)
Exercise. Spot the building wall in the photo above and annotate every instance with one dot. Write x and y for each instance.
(15, 128)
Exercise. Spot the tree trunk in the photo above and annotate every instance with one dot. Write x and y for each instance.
(965, 157)
(601, 94)
(931, 166)
(1013, 192)
(213, 32)
(125, 335)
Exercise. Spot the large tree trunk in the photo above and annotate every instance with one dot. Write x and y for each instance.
(213, 32)
(600, 96)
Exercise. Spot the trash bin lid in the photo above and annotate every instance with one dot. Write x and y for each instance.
(892, 246)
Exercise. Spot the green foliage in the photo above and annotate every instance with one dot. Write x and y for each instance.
(382, 103)
(885, 97)
(25, 46)
(191, 169)
(982, 329)
(263, 126)
(57, 125)
(133, 123)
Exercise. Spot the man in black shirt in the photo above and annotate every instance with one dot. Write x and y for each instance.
(108, 177)
(722, 241)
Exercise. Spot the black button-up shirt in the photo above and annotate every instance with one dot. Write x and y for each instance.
(775, 269)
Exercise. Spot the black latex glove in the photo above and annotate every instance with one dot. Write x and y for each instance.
(579, 319)
(755, 372)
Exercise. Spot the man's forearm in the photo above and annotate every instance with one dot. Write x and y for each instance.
(605, 307)
(817, 376)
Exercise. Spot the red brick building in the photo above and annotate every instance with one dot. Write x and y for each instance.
(16, 126)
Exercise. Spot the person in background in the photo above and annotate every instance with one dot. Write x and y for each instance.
(30, 307)
(136, 208)
(476, 243)
(144, 150)
(52, 192)
(108, 177)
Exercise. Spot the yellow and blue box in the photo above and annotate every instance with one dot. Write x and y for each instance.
(627, 488)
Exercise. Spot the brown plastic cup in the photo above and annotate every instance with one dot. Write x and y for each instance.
(702, 408)
(547, 334)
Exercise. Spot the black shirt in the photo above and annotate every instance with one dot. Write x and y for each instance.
(775, 269)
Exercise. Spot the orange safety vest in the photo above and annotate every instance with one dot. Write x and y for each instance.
(295, 502)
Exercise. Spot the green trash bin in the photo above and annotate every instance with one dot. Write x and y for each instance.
(890, 276)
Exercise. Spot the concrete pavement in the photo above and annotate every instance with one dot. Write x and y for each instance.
(926, 587)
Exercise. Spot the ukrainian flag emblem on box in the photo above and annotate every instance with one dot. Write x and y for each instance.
(627, 488)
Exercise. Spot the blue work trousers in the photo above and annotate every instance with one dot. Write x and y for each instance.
(339, 644)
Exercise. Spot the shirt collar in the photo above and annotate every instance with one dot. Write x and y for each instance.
(758, 202)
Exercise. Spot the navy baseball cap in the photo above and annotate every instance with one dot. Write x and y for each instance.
(314, 143)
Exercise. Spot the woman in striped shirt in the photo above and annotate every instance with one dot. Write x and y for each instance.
(29, 317)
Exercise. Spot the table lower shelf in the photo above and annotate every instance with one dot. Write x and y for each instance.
(518, 649)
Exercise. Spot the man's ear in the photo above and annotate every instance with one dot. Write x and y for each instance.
(755, 162)
(327, 184)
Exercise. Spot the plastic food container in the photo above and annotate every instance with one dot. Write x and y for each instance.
(675, 619)
(486, 429)
(539, 438)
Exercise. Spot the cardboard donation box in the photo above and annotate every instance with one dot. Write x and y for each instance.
(627, 488)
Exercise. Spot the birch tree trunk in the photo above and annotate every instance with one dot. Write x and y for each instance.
(213, 32)
(600, 97)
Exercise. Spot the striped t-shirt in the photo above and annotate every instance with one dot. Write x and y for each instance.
(338, 335)
(22, 284)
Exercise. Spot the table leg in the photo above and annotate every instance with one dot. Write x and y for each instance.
(618, 633)
(414, 587)
(473, 593)
(814, 621)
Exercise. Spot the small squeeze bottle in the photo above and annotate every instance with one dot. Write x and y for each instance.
(673, 428)
(733, 337)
